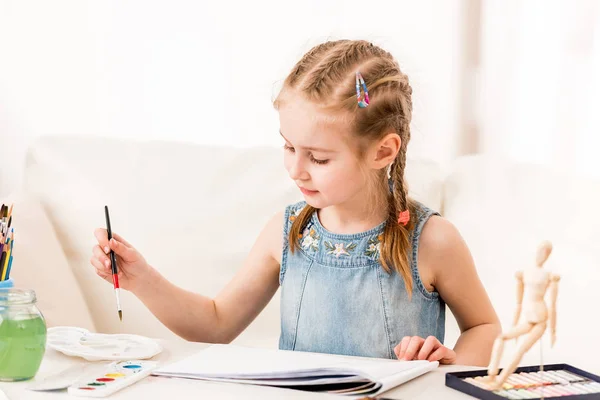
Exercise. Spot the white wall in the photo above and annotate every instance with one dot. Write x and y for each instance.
(540, 83)
(201, 72)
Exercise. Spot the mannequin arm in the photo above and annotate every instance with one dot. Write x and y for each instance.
(519, 276)
(554, 279)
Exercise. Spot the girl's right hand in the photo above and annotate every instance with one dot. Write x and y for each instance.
(130, 263)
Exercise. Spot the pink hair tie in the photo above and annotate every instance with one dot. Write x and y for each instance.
(404, 217)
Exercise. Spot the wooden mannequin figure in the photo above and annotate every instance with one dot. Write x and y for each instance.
(532, 282)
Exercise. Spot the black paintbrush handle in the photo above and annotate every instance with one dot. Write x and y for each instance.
(113, 259)
(2, 260)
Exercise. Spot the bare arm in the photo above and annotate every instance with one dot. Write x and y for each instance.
(199, 318)
(443, 251)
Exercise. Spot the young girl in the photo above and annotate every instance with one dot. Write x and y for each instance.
(364, 270)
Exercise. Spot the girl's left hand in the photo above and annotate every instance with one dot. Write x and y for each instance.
(430, 349)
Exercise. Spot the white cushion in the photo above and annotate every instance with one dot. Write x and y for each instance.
(193, 211)
(40, 264)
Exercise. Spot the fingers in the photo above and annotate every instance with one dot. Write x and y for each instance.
(400, 349)
(128, 254)
(100, 255)
(102, 271)
(397, 350)
(121, 239)
(100, 267)
(444, 355)
(105, 274)
(102, 236)
(431, 344)
(430, 349)
(437, 355)
(413, 347)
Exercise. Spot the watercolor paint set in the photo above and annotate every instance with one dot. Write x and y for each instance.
(555, 380)
(99, 380)
(114, 377)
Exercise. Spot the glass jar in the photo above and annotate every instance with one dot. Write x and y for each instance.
(22, 335)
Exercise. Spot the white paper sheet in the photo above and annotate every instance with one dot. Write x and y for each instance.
(230, 363)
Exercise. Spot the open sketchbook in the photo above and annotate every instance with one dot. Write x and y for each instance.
(317, 372)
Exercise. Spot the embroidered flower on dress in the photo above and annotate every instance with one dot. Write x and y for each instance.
(374, 247)
(309, 239)
(339, 249)
(294, 214)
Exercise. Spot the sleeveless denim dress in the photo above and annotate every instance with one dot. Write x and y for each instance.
(336, 297)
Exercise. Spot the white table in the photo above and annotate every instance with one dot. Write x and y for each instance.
(428, 386)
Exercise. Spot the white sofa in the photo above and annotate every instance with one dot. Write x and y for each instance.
(194, 212)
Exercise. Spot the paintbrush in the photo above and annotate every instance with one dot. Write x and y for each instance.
(113, 262)
(3, 212)
(3, 234)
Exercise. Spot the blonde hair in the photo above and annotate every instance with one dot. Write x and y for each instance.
(326, 76)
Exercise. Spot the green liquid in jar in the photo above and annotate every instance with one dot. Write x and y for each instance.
(22, 347)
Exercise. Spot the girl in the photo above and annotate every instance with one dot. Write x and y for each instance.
(364, 270)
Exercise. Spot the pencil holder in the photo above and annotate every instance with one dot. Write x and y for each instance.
(7, 284)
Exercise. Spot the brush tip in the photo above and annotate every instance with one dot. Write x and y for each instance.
(120, 315)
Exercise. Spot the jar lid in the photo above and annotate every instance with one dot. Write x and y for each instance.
(14, 296)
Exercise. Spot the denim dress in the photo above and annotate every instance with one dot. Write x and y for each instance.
(336, 297)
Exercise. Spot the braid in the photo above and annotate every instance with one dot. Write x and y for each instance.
(333, 66)
(402, 125)
(308, 61)
(399, 187)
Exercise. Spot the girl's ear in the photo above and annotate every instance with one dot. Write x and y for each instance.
(385, 150)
